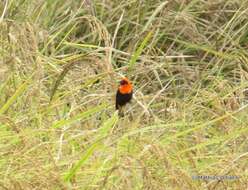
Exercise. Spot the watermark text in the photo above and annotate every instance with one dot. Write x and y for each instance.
(214, 177)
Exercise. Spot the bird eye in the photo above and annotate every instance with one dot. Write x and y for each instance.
(122, 82)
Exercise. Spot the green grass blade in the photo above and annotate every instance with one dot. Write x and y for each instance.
(102, 133)
(80, 116)
(84, 158)
(13, 98)
(138, 52)
(205, 48)
(230, 136)
(155, 13)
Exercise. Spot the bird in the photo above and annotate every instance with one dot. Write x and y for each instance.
(124, 94)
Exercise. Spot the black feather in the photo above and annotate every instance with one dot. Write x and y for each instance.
(122, 99)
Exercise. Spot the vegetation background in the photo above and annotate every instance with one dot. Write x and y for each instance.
(60, 64)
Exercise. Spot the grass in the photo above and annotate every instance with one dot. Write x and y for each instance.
(59, 69)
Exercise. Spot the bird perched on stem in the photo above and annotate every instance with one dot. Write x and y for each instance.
(124, 95)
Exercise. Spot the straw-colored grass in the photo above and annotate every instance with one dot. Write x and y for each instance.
(60, 63)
